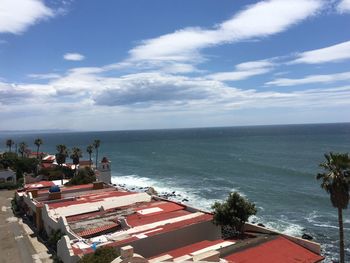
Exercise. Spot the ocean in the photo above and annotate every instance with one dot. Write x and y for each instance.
(273, 166)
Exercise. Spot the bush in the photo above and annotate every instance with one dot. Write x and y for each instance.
(234, 212)
(20, 165)
(56, 173)
(8, 159)
(84, 176)
(54, 237)
(101, 255)
(8, 186)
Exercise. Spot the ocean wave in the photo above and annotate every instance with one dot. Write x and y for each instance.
(280, 225)
(312, 216)
(135, 181)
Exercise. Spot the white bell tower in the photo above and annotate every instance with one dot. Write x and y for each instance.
(104, 171)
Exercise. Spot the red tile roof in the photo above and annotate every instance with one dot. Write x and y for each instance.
(190, 248)
(38, 185)
(136, 220)
(48, 165)
(275, 251)
(91, 232)
(166, 228)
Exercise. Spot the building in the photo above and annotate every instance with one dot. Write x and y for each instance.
(103, 171)
(7, 176)
(156, 229)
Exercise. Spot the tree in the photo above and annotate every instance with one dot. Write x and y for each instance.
(84, 176)
(75, 156)
(22, 148)
(234, 212)
(9, 144)
(38, 142)
(96, 145)
(336, 181)
(101, 255)
(89, 150)
(61, 155)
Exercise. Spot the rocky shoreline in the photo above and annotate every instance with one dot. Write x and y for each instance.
(173, 196)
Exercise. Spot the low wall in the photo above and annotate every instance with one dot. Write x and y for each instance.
(65, 251)
(28, 200)
(155, 245)
(50, 224)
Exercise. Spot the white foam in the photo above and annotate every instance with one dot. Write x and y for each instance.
(134, 181)
(282, 226)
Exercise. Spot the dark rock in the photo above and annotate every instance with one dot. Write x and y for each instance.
(132, 188)
(151, 191)
(173, 192)
(307, 237)
(184, 200)
(262, 225)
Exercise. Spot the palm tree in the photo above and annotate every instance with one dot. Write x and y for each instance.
(89, 150)
(38, 142)
(22, 148)
(75, 156)
(9, 144)
(61, 155)
(96, 145)
(336, 181)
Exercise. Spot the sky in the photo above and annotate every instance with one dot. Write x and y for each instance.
(136, 64)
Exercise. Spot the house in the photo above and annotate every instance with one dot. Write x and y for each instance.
(7, 176)
(158, 230)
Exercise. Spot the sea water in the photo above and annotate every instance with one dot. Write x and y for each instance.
(273, 166)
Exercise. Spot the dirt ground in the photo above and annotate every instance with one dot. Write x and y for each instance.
(18, 243)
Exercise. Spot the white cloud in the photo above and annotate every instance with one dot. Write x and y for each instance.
(259, 20)
(17, 15)
(312, 79)
(73, 56)
(44, 76)
(141, 96)
(244, 71)
(335, 53)
(344, 6)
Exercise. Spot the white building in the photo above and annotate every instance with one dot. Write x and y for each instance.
(104, 171)
(7, 176)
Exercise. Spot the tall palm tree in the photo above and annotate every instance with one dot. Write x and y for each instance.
(61, 155)
(9, 144)
(89, 150)
(96, 145)
(22, 148)
(75, 156)
(38, 142)
(336, 181)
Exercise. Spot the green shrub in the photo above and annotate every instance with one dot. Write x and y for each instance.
(84, 176)
(8, 186)
(234, 212)
(101, 255)
(54, 237)
(55, 173)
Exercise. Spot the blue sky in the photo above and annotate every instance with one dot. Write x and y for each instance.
(110, 65)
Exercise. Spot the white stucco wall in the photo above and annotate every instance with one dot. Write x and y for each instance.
(4, 174)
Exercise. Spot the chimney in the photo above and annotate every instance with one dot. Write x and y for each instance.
(97, 185)
(54, 195)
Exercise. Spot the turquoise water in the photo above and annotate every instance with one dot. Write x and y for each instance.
(273, 166)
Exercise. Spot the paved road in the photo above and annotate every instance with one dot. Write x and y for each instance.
(17, 242)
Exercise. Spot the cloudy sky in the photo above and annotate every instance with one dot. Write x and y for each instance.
(113, 64)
